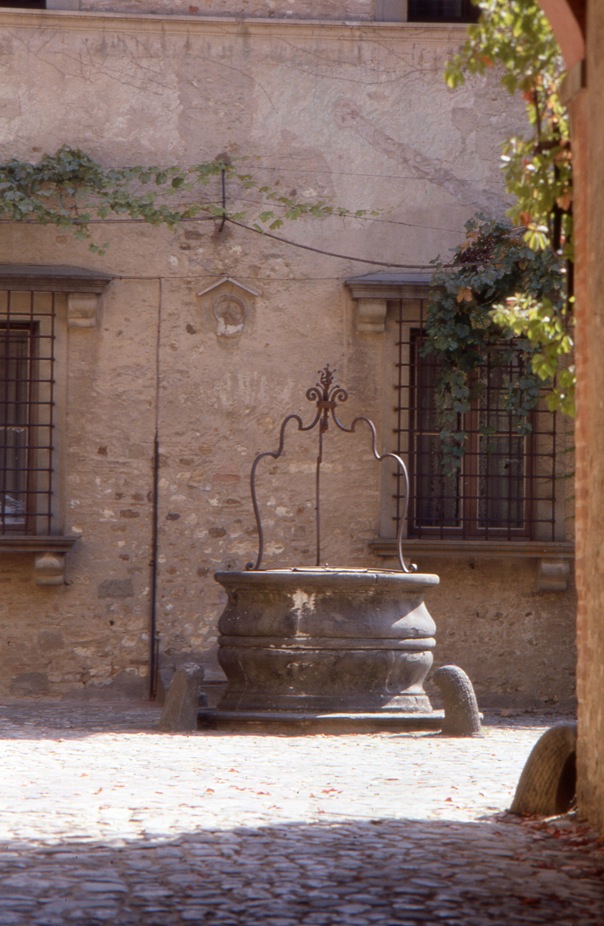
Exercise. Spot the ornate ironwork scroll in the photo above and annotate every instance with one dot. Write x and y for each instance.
(327, 395)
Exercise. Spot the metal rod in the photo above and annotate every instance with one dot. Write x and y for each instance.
(223, 185)
(318, 495)
(327, 395)
(153, 635)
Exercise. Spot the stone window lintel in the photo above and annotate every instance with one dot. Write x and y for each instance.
(373, 291)
(83, 287)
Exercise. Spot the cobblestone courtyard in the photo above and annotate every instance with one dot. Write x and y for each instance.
(104, 820)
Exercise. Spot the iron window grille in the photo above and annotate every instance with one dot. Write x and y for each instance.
(463, 11)
(27, 356)
(507, 486)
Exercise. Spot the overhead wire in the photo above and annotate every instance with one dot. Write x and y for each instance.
(308, 247)
(222, 220)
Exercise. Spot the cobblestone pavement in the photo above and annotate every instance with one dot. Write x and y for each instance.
(104, 820)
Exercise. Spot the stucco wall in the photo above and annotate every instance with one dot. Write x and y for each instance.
(358, 115)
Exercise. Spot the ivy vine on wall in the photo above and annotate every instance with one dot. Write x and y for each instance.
(71, 190)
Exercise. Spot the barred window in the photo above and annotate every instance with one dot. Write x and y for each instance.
(507, 485)
(442, 11)
(27, 335)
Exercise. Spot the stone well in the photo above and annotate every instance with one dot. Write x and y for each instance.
(320, 645)
(326, 641)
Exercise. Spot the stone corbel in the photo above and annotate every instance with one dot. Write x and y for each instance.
(553, 575)
(49, 553)
(82, 310)
(371, 315)
(373, 291)
(50, 569)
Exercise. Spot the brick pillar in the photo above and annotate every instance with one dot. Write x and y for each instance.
(588, 124)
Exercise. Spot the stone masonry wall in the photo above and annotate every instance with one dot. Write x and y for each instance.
(356, 115)
(516, 643)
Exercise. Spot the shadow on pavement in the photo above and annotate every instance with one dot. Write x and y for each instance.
(385, 872)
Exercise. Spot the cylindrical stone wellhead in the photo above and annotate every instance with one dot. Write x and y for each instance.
(326, 640)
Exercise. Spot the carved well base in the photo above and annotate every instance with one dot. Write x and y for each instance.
(326, 641)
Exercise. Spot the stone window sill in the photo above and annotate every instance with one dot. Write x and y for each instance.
(49, 552)
(554, 560)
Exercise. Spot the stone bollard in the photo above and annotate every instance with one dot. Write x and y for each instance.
(547, 784)
(462, 717)
(179, 714)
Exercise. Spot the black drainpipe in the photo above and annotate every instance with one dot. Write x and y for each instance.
(153, 634)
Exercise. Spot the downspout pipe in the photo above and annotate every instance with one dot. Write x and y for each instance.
(153, 631)
(153, 634)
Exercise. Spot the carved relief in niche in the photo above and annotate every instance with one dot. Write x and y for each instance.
(230, 312)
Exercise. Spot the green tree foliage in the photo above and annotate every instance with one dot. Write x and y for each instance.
(474, 323)
(71, 190)
(507, 281)
(515, 37)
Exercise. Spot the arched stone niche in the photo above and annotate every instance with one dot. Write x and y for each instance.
(228, 306)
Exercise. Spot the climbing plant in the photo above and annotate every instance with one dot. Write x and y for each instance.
(516, 40)
(71, 190)
(506, 286)
(468, 327)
